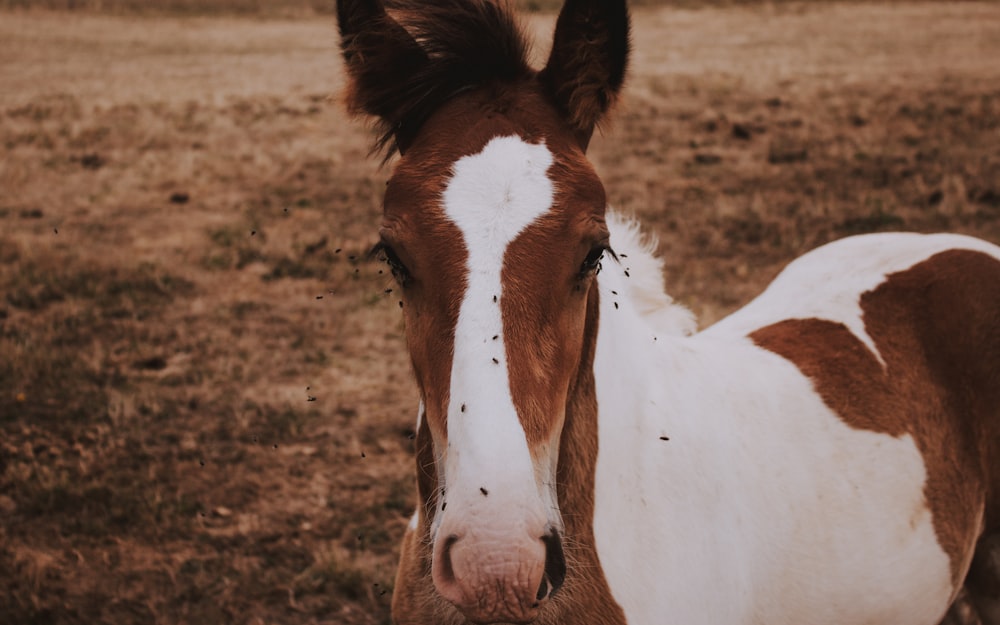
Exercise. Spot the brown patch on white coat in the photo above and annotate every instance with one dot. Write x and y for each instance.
(936, 326)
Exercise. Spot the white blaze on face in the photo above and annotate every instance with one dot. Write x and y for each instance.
(492, 197)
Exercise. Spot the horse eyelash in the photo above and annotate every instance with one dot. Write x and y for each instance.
(586, 271)
(383, 252)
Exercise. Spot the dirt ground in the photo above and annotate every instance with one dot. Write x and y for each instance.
(205, 405)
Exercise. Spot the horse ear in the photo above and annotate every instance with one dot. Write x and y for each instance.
(380, 55)
(586, 67)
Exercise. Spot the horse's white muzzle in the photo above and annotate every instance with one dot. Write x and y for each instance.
(496, 571)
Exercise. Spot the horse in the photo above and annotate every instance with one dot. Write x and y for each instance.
(827, 454)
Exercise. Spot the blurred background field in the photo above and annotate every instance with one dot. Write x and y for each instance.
(305, 7)
(205, 402)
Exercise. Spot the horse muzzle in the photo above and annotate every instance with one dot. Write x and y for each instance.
(499, 576)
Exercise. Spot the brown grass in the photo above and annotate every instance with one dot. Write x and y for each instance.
(272, 8)
(205, 406)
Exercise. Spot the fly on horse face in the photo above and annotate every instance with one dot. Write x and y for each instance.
(826, 455)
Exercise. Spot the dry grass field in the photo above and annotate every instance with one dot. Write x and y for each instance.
(205, 406)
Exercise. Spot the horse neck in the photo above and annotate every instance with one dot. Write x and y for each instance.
(652, 382)
(607, 411)
(633, 341)
(643, 350)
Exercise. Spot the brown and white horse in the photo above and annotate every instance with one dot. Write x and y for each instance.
(827, 455)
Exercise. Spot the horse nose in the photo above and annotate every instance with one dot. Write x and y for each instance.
(492, 578)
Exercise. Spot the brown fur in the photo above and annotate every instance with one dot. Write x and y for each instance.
(937, 327)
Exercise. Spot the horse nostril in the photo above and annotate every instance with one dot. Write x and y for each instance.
(447, 572)
(543, 588)
(555, 564)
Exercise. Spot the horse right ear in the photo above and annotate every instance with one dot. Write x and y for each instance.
(586, 67)
(380, 56)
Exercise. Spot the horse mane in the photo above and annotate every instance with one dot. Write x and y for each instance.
(445, 47)
(637, 253)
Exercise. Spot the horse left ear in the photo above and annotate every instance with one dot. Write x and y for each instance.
(380, 55)
(586, 67)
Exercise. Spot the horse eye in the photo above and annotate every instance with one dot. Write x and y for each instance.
(592, 263)
(386, 254)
